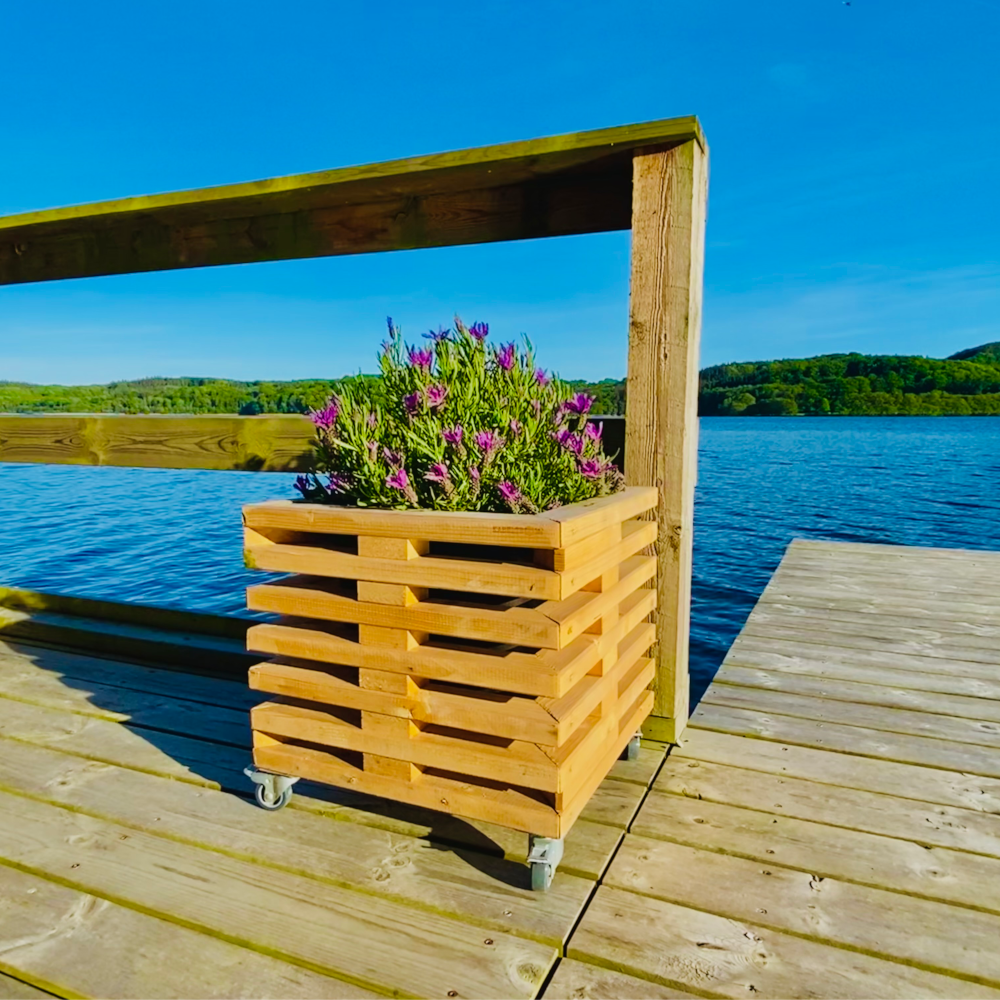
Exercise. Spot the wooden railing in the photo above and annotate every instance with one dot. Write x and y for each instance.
(650, 177)
(273, 443)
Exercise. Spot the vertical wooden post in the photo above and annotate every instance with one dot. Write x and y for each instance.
(669, 193)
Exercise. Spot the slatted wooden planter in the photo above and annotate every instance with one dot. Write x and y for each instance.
(492, 666)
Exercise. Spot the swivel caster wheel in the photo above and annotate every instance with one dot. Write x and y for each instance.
(272, 791)
(542, 874)
(266, 798)
(631, 751)
(544, 855)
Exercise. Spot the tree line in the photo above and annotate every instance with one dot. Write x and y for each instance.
(967, 383)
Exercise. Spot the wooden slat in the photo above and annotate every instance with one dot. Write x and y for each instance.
(905, 749)
(294, 554)
(78, 945)
(272, 443)
(878, 717)
(925, 784)
(661, 443)
(482, 577)
(895, 863)
(856, 809)
(551, 625)
(914, 693)
(722, 956)
(546, 673)
(912, 553)
(493, 892)
(795, 652)
(509, 761)
(887, 680)
(371, 941)
(870, 640)
(554, 186)
(928, 934)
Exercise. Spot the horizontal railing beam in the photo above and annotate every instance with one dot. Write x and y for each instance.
(556, 186)
(224, 442)
(274, 443)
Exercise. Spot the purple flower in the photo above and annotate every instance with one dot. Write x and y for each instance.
(324, 419)
(412, 403)
(570, 441)
(594, 431)
(515, 427)
(436, 396)
(439, 335)
(489, 443)
(506, 357)
(399, 480)
(509, 492)
(580, 403)
(388, 323)
(372, 450)
(393, 458)
(338, 483)
(453, 435)
(372, 421)
(473, 473)
(537, 406)
(591, 468)
(421, 357)
(480, 331)
(541, 378)
(438, 473)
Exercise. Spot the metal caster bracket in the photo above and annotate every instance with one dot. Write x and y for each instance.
(544, 855)
(272, 791)
(631, 751)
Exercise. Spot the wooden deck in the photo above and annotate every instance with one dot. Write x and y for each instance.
(829, 827)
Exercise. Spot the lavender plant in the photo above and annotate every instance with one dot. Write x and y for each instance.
(458, 424)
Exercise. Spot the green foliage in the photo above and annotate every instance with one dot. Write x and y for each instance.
(458, 425)
(968, 383)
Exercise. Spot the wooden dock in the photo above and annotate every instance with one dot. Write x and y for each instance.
(828, 827)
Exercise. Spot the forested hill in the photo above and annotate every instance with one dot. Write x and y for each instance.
(857, 385)
(845, 384)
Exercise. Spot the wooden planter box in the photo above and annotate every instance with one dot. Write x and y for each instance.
(492, 666)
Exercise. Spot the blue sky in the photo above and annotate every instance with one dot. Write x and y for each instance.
(854, 200)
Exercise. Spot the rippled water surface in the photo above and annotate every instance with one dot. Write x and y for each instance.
(173, 538)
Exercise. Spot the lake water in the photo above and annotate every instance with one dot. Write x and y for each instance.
(173, 538)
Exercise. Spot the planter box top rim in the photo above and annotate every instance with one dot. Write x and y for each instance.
(548, 529)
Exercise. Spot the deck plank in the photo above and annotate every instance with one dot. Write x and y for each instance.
(977, 728)
(963, 829)
(373, 942)
(69, 942)
(855, 740)
(830, 824)
(679, 947)
(919, 932)
(897, 864)
(15, 989)
(575, 980)
(480, 889)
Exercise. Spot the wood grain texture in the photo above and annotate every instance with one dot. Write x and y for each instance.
(493, 892)
(828, 851)
(272, 443)
(583, 981)
(554, 186)
(661, 438)
(927, 934)
(927, 823)
(373, 942)
(78, 945)
(679, 946)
